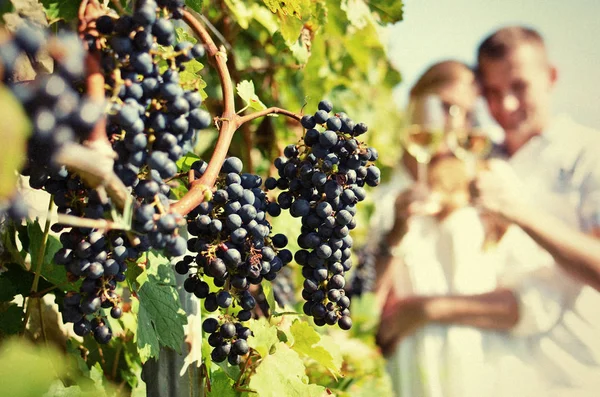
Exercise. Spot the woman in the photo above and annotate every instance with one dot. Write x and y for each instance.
(426, 254)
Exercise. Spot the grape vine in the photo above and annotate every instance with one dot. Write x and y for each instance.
(113, 128)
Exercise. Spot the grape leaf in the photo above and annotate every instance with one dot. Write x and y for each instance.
(309, 343)
(221, 385)
(289, 7)
(15, 132)
(182, 35)
(19, 357)
(357, 11)
(267, 289)
(283, 374)
(61, 9)
(292, 16)
(55, 274)
(265, 18)
(11, 318)
(160, 316)
(240, 11)
(14, 281)
(389, 11)
(264, 336)
(245, 90)
(184, 164)
(195, 5)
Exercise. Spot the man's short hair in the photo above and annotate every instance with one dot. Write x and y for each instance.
(501, 43)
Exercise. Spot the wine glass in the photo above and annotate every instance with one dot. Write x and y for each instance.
(426, 120)
(470, 139)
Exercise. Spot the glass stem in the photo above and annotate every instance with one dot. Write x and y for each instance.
(422, 172)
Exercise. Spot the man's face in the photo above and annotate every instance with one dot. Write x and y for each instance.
(517, 89)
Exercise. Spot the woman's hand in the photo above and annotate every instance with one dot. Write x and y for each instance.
(400, 318)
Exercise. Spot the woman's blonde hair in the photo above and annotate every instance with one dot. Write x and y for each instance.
(439, 75)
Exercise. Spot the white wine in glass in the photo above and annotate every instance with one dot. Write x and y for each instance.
(471, 142)
(426, 120)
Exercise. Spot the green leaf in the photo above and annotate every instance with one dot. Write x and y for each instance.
(15, 132)
(195, 5)
(267, 289)
(14, 281)
(283, 374)
(61, 9)
(183, 35)
(294, 8)
(42, 364)
(55, 274)
(221, 386)
(184, 164)
(390, 11)
(97, 389)
(264, 336)
(160, 317)
(266, 18)
(240, 11)
(308, 342)
(245, 90)
(11, 319)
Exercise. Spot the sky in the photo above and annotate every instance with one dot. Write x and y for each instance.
(433, 30)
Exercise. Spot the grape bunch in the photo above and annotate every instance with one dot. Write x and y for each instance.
(228, 339)
(59, 114)
(283, 288)
(363, 275)
(152, 121)
(322, 178)
(153, 118)
(233, 246)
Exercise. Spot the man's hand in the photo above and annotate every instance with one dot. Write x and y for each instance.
(499, 190)
(400, 317)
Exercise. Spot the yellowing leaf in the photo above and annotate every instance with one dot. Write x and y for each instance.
(309, 343)
(264, 336)
(283, 374)
(245, 90)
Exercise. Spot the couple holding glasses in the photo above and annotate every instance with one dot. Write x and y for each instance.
(488, 265)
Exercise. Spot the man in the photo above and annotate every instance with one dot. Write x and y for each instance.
(549, 313)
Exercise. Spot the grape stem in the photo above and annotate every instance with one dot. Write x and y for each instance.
(85, 162)
(89, 11)
(38, 267)
(230, 121)
(101, 224)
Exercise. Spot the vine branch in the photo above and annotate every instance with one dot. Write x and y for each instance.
(261, 113)
(229, 120)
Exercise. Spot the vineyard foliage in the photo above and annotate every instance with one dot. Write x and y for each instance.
(286, 55)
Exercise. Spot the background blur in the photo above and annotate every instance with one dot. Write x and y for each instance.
(433, 30)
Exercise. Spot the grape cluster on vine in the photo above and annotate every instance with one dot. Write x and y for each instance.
(233, 246)
(364, 273)
(154, 119)
(59, 114)
(322, 178)
(152, 122)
